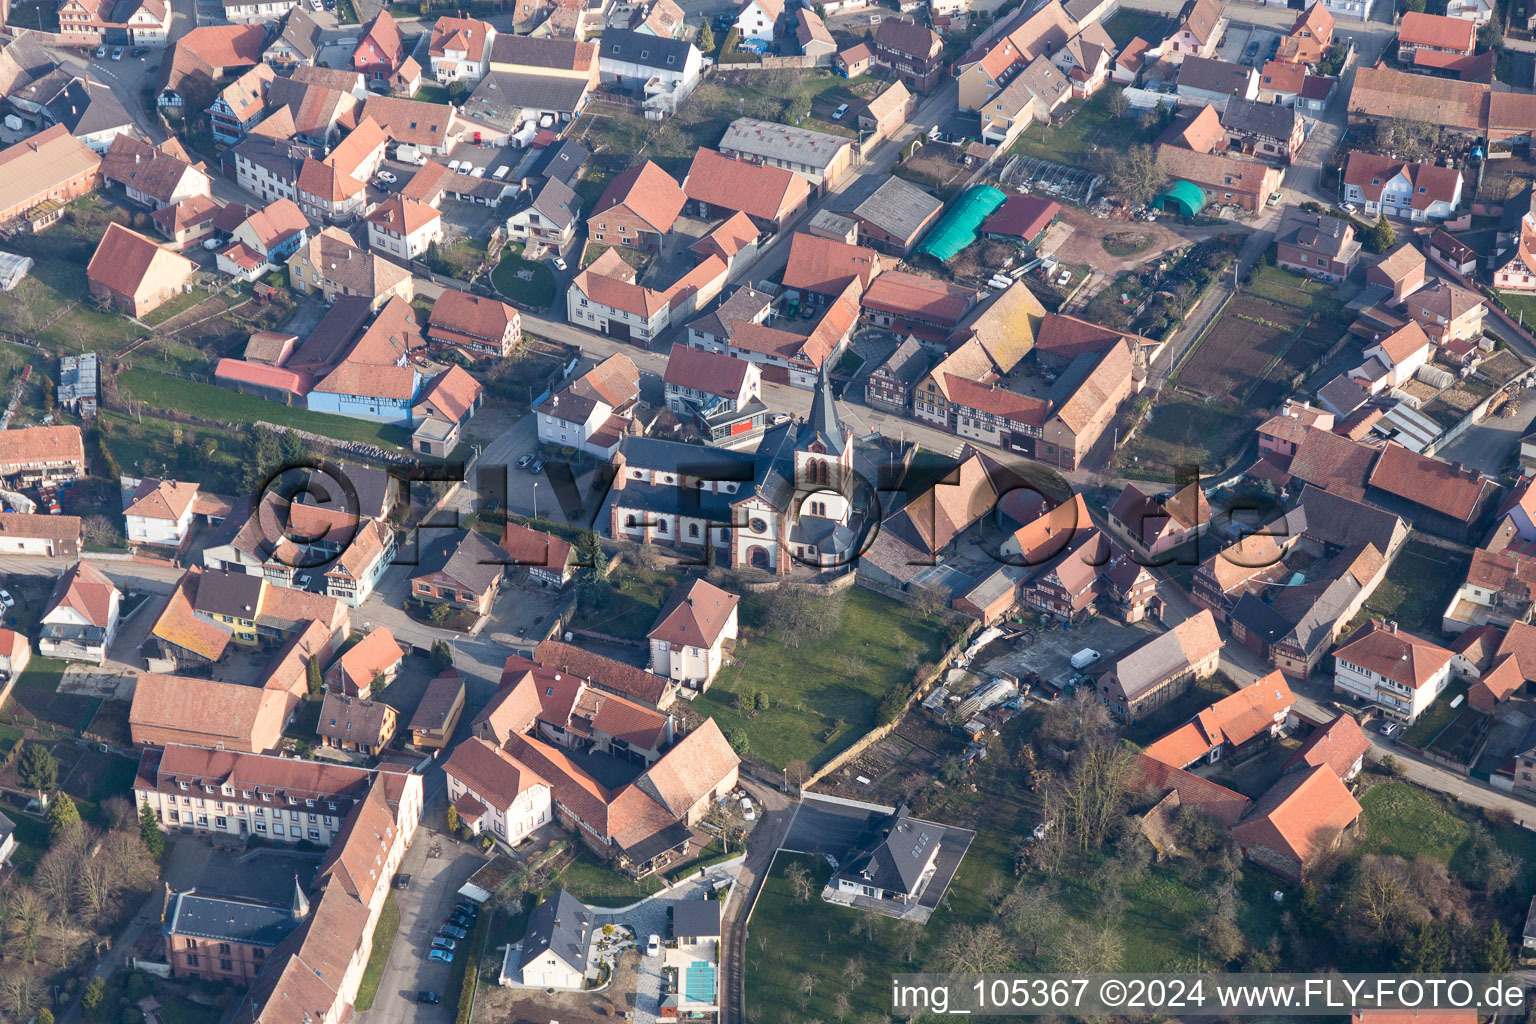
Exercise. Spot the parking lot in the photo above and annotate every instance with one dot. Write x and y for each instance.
(1249, 45)
(1074, 184)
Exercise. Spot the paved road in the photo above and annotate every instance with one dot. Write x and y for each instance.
(763, 842)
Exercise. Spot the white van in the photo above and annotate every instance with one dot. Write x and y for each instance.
(501, 172)
(454, 165)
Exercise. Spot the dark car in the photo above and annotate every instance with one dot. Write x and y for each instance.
(452, 932)
(466, 907)
(428, 997)
(139, 51)
(462, 921)
(1253, 48)
(402, 881)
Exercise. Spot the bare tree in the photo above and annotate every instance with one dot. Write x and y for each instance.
(20, 993)
(854, 972)
(841, 1005)
(797, 771)
(799, 881)
(973, 949)
(120, 813)
(93, 891)
(1091, 795)
(1089, 950)
(54, 879)
(99, 530)
(1380, 893)
(31, 914)
(1030, 915)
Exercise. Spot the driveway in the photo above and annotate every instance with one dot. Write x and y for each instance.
(435, 881)
(826, 828)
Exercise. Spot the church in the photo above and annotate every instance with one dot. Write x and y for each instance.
(787, 502)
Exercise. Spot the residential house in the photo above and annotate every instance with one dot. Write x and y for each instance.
(1205, 80)
(1297, 820)
(437, 716)
(462, 570)
(1202, 24)
(637, 209)
(894, 859)
(1434, 33)
(1234, 728)
(718, 395)
(820, 158)
(1393, 360)
(1281, 81)
(1316, 244)
(373, 661)
(152, 176)
(1024, 37)
(617, 677)
(856, 60)
(1451, 253)
(1310, 36)
(296, 43)
(906, 303)
(403, 227)
(758, 19)
(664, 71)
(911, 52)
(1401, 270)
(1459, 108)
(51, 167)
(1263, 129)
(15, 654)
(133, 274)
(1153, 527)
(1087, 59)
(737, 327)
(449, 401)
(241, 105)
(80, 620)
(550, 219)
(41, 455)
(1162, 667)
(380, 51)
(473, 324)
(1033, 93)
(823, 268)
(1391, 668)
(550, 561)
(558, 940)
(890, 385)
(1085, 400)
(1447, 312)
(494, 795)
(188, 222)
(196, 63)
(332, 189)
(607, 296)
(717, 186)
(135, 22)
(1479, 12)
(356, 723)
(1221, 179)
(812, 34)
(688, 639)
(460, 49)
(1340, 745)
(592, 413)
(1416, 192)
(331, 265)
(265, 239)
(170, 709)
(158, 512)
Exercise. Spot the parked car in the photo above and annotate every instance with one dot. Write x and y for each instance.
(388, 176)
(6, 600)
(139, 51)
(303, 580)
(428, 997)
(1347, 207)
(537, 467)
(559, 262)
(452, 932)
(402, 881)
(747, 810)
(438, 942)
(478, 172)
(100, 51)
(653, 946)
(467, 907)
(1253, 48)
(460, 921)
(440, 956)
(522, 462)
(837, 115)
(1390, 729)
(117, 53)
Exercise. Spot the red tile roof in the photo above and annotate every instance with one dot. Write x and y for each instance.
(1393, 653)
(696, 614)
(1022, 217)
(1233, 721)
(1496, 685)
(911, 294)
(1435, 485)
(375, 653)
(1339, 744)
(1146, 773)
(85, 589)
(648, 192)
(534, 548)
(1429, 182)
(757, 190)
(1299, 815)
(713, 373)
(1437, 30)
(827, 265)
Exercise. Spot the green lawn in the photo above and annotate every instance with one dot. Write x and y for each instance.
(36, 696)
(1184, 430)
(378, 959)
(164, 392)
(149, 448)
(40, 16)
(1078, 140)
(1418, 588)
(177, 1010)
(537, 291)
(1436, 717)
(592, 883)
(174, 307)
(1127, 25)
(631, 610)
(51, 304)
(1401, 819)
(1285, 286)
(31, 838)
(1521, 307)
(841, 676)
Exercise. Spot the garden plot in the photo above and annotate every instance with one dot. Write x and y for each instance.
(88, 681)
(1033, 174)
(1252, 351)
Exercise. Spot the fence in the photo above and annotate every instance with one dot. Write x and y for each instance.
(823, 60)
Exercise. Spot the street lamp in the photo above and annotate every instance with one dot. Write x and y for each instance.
(535, 499)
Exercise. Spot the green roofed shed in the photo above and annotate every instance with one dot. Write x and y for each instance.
(1182, 197)
(957, 228)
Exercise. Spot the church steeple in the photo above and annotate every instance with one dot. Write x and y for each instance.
(300, 907)
(822, 430)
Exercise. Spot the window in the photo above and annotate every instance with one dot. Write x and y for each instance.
(223, 949)
(314, 833)
(191, 958)
(261, 826)
(226, 965)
